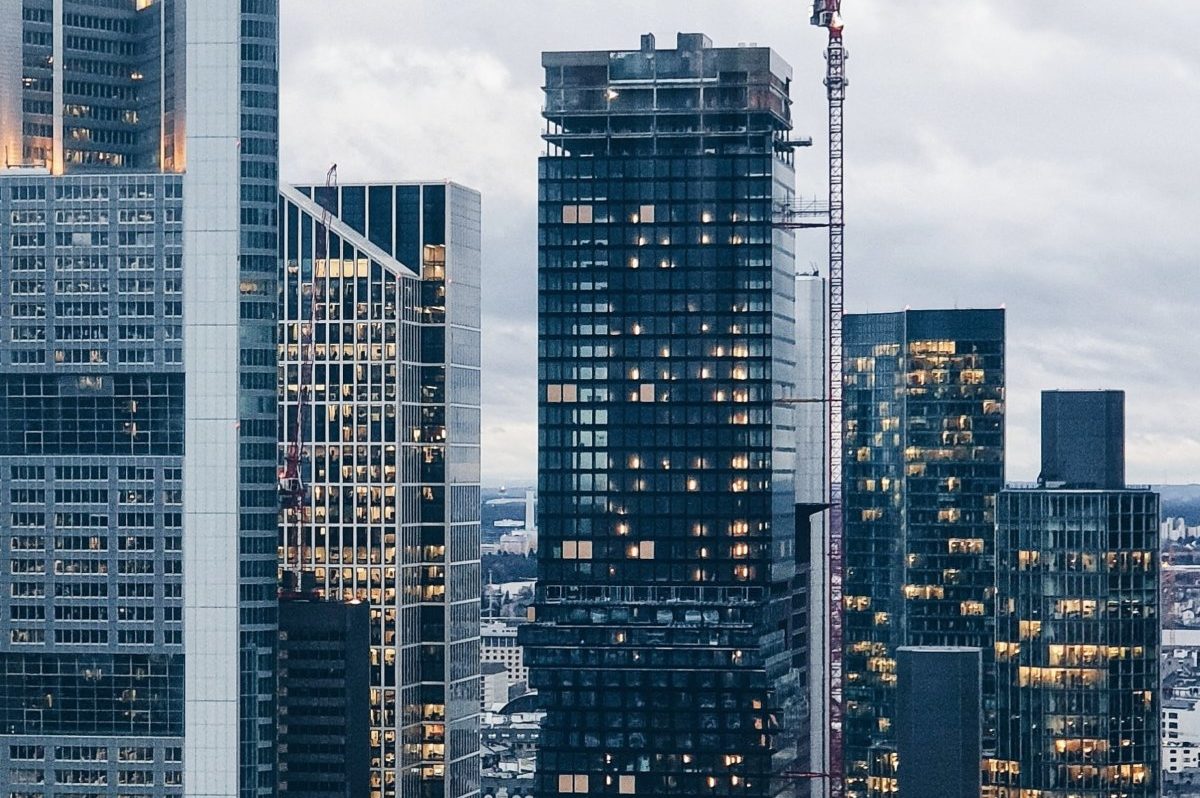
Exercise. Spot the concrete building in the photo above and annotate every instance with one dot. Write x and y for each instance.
(324, 698)
(924, 459)
(379, 299)
(1077, 627)
(499, 644)
(668, 555)
(137, 322)
(493, 677)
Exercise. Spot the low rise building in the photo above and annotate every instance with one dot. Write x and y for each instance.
(498, 638)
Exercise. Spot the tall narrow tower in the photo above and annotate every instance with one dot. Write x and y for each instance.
(667, 649)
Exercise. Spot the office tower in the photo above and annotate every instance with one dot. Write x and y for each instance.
(924, 409)
(137, 214)
(939, 732)
(380, 303)
(1077, 625)
(324, 697)
(1083, 438)
(664, 645)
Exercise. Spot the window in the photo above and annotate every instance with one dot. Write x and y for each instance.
(577, 214)
(572, 783)
(577, 550)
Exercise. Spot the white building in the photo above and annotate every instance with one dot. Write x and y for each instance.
(498, 638)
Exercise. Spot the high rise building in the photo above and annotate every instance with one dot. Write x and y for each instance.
(379, 302)
(324, 697)
(1077, 618)
(939, 712)
(666, 648)
(924, 410)
(137, 215)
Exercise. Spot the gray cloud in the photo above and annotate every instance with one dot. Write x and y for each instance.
(1013, 152)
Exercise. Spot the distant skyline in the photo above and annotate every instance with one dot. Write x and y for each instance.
(1040, 158)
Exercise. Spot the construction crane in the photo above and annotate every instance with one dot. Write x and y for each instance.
(798, 215)
(827, 14)
(293, 490)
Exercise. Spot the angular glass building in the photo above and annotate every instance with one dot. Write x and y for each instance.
(1077, 618)
(137, 384)
(666, 649)
(379, 303)
(924, 460)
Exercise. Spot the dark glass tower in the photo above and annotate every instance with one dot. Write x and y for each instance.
(924, 461)
(137, 377)
(1077, 617)
(663, 648)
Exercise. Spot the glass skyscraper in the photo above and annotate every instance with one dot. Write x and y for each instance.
(379, 300)
(137, 382)
(1077, 616)
(924, 460)
(666, 649)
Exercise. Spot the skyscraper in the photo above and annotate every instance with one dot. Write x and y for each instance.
(1077, 618)
(379, 304)
(666, 649)
(924, 409)
(137, 214)
(324, 691)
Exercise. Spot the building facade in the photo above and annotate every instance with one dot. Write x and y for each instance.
(1077, 629)
(380, 301)
(324, 697)
(924, 460)
(939, 721)
(499, 644)
(666, 650)
(138, 334)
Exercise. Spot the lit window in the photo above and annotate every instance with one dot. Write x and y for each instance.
(646, 214)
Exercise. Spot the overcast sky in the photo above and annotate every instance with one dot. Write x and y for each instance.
(1040, 156)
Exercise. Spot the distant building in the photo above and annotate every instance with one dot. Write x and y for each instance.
(521, 542)
(324, 698)
(939, 714)
(1077, 627)
(499, 645)
(924, 460)
(1180, 734)
(494, 684)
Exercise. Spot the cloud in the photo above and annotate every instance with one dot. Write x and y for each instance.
(1035, 155)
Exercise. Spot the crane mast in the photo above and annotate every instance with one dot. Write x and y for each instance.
(827, 14)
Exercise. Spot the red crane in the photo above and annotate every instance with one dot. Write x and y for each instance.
(293, 491)
(798, 215)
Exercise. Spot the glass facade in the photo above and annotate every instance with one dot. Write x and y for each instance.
(1076, 647)
(666, 649)
(383, 303)
(137, 392)
(924, 460)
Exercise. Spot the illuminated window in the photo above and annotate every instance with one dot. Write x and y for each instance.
(571, 783)
(577, 214)
(645, 214)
